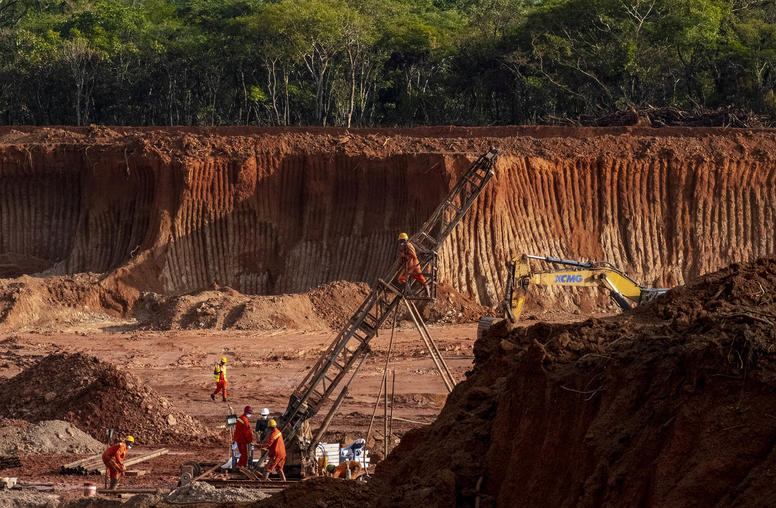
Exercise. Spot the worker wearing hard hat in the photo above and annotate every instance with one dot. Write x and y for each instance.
(219, 373)
(261, 425)
(113, 458)
(409, 264)
(243, 436)
(276, 450)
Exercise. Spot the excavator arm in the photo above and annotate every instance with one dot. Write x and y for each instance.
(622, 288)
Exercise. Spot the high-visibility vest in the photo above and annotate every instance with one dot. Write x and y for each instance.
(220, 369)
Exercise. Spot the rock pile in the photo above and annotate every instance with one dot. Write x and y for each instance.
(95, 395)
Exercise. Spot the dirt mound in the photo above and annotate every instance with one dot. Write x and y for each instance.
(336, 302)
(95, 395)
(18, 498)
(55, 301)
(451, 306)
(328, 306)
(200, 492)
(225, 308)
(18, 437)
(323, 492)
(666, 406)
(69, 301)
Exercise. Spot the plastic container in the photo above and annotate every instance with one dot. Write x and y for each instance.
(90, 489)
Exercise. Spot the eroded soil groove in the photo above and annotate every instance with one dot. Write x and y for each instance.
(269, 213)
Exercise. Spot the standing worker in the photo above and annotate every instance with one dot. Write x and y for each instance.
(409, 264)
(113, 458)
(243, 436)
(276, 450)
(220, 374)
(261, 425)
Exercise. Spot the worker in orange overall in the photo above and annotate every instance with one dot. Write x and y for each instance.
(409, 264)
(113, 458)
(219, 373)
(276, 450)
(349, 470)
(243, 436)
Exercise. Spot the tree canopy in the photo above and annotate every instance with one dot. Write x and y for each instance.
(378, 62)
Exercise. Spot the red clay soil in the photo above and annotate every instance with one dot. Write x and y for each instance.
(669, 405)
(95, 395)
(276, 211)
(69, 301)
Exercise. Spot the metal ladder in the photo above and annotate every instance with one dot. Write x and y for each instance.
(351, 346)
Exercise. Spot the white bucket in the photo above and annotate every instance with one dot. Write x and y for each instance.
(90, 489)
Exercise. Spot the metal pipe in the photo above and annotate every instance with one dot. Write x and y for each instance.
(383, 382)
(560, 261)
(329, 416)
(393, 394)
(335, 406)
(128, 491)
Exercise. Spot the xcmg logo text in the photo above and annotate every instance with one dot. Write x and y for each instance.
(568, 278)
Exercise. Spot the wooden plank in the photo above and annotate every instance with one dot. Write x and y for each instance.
(250, 474)
(83, 461)
(128, 491)
(136, 460)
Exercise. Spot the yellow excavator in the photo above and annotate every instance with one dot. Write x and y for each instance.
(622, 288)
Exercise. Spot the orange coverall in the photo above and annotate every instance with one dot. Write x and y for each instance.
(409, 264)
(341, 470)
(113, 458)
(277, 450)
(221, 382)
(243, 437)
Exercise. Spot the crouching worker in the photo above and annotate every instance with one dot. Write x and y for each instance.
(349, 470)
(276, 450)
(113, 458)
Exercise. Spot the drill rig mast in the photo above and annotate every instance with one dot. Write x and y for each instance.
(351, 346)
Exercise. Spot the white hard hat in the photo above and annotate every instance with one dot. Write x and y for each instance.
(265, 412)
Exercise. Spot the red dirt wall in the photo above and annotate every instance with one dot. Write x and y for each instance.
(281, 211)
(667, 405)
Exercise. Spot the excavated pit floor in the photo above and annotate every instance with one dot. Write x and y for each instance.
(173, 212)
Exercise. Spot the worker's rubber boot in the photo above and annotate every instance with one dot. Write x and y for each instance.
(114, 483)
(212, 396)
(223, 399)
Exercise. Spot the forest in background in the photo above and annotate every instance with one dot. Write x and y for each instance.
(378, 62)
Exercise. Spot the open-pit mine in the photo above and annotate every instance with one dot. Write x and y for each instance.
(132, 260)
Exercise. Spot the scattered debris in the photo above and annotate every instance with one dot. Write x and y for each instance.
(201, 492)
(23, 498)
(18, 437)
(95, 395)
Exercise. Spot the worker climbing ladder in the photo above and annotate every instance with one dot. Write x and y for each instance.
(351, 346)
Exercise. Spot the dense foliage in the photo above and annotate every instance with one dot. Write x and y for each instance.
(378, 62)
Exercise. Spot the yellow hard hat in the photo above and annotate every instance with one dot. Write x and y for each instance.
(223, 359)
(403, 236)
(272, 423)
(130, 439)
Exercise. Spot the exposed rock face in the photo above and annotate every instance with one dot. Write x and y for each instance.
(270, 211)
